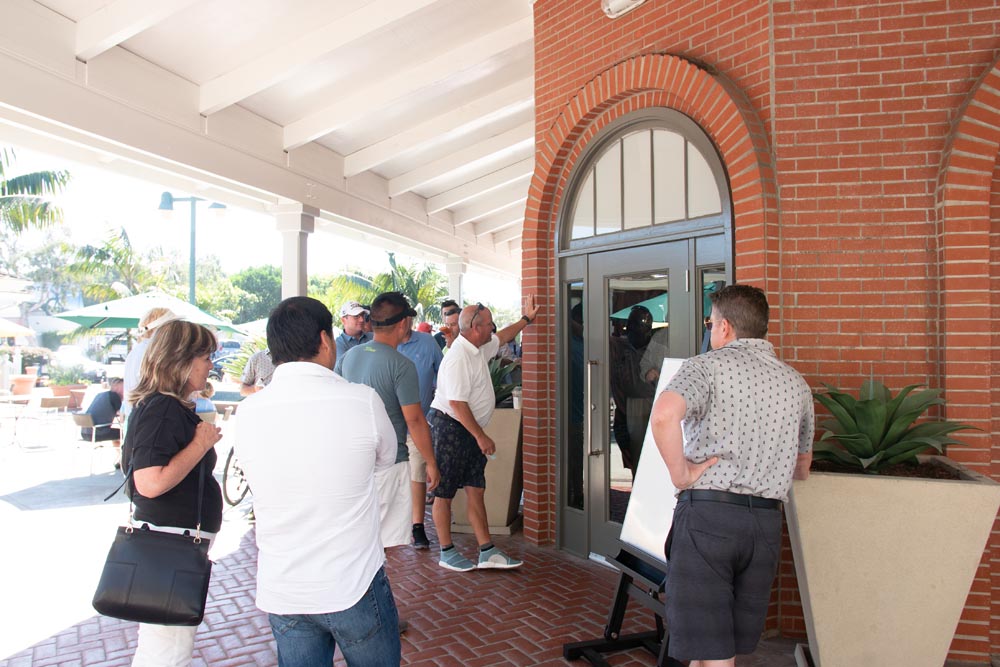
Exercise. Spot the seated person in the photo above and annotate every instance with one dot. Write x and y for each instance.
(103, 409)
(203, 402)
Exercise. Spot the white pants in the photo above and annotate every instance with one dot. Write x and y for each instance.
(166, 645)
(395, 504)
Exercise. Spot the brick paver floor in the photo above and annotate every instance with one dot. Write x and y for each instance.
(57, 530)
(520, 617)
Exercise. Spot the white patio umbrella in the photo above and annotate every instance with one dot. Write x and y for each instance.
(125, 313)
(8, 329)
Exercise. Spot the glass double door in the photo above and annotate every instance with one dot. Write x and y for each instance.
(626, 310)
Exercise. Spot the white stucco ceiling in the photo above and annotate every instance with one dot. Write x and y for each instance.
(410, 120)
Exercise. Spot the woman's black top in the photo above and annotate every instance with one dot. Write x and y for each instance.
(158, 428)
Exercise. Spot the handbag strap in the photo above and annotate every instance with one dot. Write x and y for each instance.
(131, 492)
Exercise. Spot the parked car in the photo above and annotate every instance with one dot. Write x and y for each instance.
(227, 348)
(219, 364)
(115, 350)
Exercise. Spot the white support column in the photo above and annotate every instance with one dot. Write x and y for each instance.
(456, 270)
(295, 222)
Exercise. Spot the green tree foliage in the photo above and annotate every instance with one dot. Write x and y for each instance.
(262, 286)
(26, 199)
(318, 285)
(424, 286)
(114, 269)
(45, 265)
(215, 292)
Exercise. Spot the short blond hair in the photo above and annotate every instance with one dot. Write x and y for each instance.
(167, 362)
(153, 314)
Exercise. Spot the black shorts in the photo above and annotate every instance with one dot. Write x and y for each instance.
(721, 563)
(458, 456)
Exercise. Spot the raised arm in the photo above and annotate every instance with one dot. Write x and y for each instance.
(529, 313)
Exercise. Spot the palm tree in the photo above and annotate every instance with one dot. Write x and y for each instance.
(424, 287)
(113, 269)
(25, 199)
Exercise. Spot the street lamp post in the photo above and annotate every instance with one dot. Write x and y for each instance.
(167, 204)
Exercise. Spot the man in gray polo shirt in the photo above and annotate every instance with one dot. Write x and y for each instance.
(734, 426)
(394, 377)
(352, 323)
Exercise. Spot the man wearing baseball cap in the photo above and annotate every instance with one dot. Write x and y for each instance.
(352, 321)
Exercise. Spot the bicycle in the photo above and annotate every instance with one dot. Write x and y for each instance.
(234, 484)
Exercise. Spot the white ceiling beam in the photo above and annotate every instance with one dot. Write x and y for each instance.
(505, 141)
(519, 171)
(120, 20)
(490, 204)
(508, 234)
(520, 93)
(268, 69)
(499, 221)
(40, 99)
(405, 81)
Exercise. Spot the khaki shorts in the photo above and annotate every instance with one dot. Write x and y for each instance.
(418, 465)
(395, 504)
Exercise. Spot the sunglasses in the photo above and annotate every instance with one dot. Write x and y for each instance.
(453, 311)
(708, 324)
(479, 308)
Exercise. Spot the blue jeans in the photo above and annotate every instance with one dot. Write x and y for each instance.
(367, 633)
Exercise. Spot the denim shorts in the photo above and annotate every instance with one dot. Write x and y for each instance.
(721, 563)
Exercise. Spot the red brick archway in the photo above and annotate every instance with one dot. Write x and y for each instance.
(968, 257)
(637, 83)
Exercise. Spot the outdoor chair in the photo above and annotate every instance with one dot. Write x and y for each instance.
(40, 415)
(83, 420)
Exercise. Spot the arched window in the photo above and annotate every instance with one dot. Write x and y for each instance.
(653, 173)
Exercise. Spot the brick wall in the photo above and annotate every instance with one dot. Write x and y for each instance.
(861, 141)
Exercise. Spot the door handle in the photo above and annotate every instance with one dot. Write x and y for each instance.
(590, 407)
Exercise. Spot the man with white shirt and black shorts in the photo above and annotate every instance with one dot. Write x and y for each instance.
(462, 407)
(734, 426)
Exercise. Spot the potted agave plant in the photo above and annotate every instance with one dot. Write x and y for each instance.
(872, 547)
(504, 482)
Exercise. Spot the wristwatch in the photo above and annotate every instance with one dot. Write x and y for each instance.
(527, 320)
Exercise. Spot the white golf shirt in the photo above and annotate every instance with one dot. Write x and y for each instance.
(309, 444)
(464, 376)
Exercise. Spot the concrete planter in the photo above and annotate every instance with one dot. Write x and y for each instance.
(884, 564)
(504, 482)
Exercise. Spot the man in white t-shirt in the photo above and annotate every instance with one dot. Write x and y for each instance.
(462, 407)
(320, 567)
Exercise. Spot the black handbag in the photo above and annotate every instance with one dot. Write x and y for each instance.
(155, 577)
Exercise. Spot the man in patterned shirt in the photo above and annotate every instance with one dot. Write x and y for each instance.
(734, 426)
(257, 373)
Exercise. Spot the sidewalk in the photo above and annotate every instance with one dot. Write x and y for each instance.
(57, 530)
